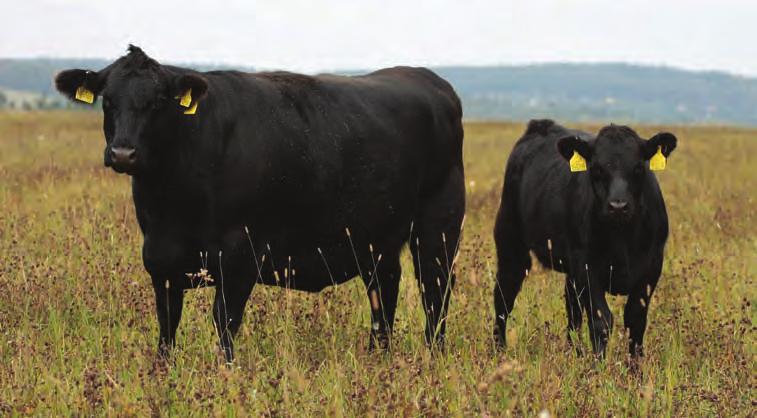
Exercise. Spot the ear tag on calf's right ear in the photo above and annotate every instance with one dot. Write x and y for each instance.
(657, 162)
(84, 95)
(186, 99)
(577, 162)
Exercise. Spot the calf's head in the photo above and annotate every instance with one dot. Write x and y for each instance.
(618, 162)
(142, 103)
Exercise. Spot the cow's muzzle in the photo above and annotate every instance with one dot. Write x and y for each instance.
(122, 159)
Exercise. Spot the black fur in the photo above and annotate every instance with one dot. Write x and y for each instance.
(330, 175)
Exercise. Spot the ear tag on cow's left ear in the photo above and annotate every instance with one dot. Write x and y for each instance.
(657, 162)
(186, 99)
(83, 94)
(192, 110)
(577, 162)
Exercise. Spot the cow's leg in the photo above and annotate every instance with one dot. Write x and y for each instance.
(433, 243)
(574, 311)
(513, 263)
(169, 301)
(232, 293)
(382, 282)
(599, 316)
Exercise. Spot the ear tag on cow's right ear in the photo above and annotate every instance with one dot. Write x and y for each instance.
(577, 162)
(186, 99)
(192, 110)
(85, 95)
(658, 161)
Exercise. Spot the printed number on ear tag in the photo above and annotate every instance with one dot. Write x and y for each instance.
(186, 99)
(84, 95)
(577, 162)
(657, 162)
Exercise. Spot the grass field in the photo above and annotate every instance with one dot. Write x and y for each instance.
(78, 331)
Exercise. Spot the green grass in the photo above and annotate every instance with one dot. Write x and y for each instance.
(78, 331)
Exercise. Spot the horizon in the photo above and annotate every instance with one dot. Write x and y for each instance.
(228, 65)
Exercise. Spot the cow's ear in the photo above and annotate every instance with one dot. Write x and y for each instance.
(570, 144)
(189, 89)
(664, 141)
(194, 82)
(79, 85)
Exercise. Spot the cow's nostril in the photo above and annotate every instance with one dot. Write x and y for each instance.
(618, 204)
(123, 156)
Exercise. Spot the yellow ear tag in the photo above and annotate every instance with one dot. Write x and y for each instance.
(658, 161)
(186, 99)
(577, 162)
(84, 95)
(192, 110)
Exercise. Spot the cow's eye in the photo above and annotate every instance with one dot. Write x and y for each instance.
(638, 170)
(107, 104)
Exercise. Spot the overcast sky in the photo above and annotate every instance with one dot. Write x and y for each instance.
(313, 35)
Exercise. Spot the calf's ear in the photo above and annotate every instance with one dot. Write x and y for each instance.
(570, 144)
(79, 85)
(664, 141)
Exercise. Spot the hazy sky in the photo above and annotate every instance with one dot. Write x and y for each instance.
(320, 35)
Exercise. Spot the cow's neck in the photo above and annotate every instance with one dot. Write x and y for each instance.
(176, 180)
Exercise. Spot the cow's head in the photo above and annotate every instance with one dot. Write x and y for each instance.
(618, 166)
(141, 102)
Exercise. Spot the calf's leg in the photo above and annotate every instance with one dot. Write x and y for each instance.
(574, 311)
(513, 263)
(636, 309)
(599, 315)
(635, 318)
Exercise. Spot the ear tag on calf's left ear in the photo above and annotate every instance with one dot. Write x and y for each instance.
(657, 162)
(192, 110)
(577, 162)
(186, 99)
(84, 95)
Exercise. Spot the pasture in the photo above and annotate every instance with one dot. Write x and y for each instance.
(78, 328)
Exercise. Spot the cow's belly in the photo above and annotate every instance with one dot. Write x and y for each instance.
(311, 272)
(307, 260)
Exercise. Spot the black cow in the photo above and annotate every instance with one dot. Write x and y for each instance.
(604, 225)
(285, 179)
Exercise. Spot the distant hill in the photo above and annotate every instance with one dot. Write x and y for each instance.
(602, 92)
(27, 83)
(568, 92)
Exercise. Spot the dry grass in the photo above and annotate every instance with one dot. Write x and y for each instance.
(78, 330)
